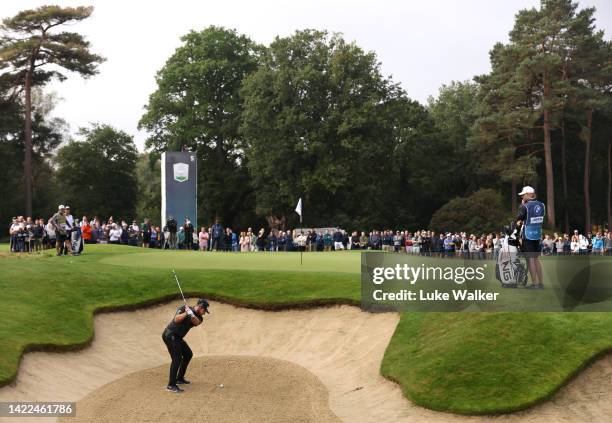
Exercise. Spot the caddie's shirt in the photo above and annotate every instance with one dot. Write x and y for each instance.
(181, 329)
(531, 213)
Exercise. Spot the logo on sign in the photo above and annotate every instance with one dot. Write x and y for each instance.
(181, 172)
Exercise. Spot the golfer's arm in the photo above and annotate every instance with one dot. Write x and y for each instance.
(195, 321)
(180, 317)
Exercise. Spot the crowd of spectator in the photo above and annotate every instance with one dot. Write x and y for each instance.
(68, 235)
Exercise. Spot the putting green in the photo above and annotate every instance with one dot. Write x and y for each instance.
(341, 261)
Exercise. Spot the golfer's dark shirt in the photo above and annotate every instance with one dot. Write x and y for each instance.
(181, 329)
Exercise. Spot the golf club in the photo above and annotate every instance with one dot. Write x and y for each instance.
(179, 286)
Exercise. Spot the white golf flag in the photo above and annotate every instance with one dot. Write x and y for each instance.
(298, 208)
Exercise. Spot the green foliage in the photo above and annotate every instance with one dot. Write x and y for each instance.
(454, 112)
(48, 133)
(27, 48)
(322, 123)
(148, 173)
(197, 104)
(98, 174)
(481, 212)
(554, 71)
(313, 117)
(40, 46)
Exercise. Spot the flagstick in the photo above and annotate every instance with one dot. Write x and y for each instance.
(298, 210)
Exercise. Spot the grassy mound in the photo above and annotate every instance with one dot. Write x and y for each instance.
(471, 363)
(485, 363)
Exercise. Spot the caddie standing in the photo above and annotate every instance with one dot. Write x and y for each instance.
(531, 218)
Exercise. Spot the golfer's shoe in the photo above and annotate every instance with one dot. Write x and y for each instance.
(174, 388)
(182, 381)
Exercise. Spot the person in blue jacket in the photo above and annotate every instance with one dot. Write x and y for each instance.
(217, 235)
(530, 219)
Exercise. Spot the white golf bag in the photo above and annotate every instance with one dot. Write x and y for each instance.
(510, 270)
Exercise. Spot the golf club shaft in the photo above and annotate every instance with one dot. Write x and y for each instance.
(179, 286)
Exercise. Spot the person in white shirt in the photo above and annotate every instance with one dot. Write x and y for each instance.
(472, 246)
(115, 234)
(50, 234)
(583, 244)
(574, 245)
(300, 241)
(69, 219)
(13, 230)
(497, 244)
(559, 245)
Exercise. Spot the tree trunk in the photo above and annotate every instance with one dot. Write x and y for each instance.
(27, 162)
(550, 183)
(564, 180)
(513, 186)
(514, 196)
(586, 182)
(610, 184)
(276, 223)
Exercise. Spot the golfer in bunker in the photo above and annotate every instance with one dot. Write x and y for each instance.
(184, 319)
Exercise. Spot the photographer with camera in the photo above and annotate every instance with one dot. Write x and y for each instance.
(188, 229)
(171, 229)
(147, 231)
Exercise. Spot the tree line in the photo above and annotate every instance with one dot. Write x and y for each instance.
(312, 116)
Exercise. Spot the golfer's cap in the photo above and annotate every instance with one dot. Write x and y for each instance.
(66, 206)
(527, 190)
(202, 302)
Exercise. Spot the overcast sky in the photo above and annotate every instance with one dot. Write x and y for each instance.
(422, 44)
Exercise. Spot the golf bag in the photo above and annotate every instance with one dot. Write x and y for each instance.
(76, 241)
(510, 269)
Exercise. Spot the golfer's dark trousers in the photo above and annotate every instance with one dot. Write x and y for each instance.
(181, 356)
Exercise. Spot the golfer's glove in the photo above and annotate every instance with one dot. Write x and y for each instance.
(189, 312)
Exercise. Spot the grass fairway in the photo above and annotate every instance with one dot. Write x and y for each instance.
(470, 363)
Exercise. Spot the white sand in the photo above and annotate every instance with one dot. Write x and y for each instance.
(223, 389)
(342, 346)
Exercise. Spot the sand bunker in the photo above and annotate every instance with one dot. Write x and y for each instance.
(253, 389)
(342, 346)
